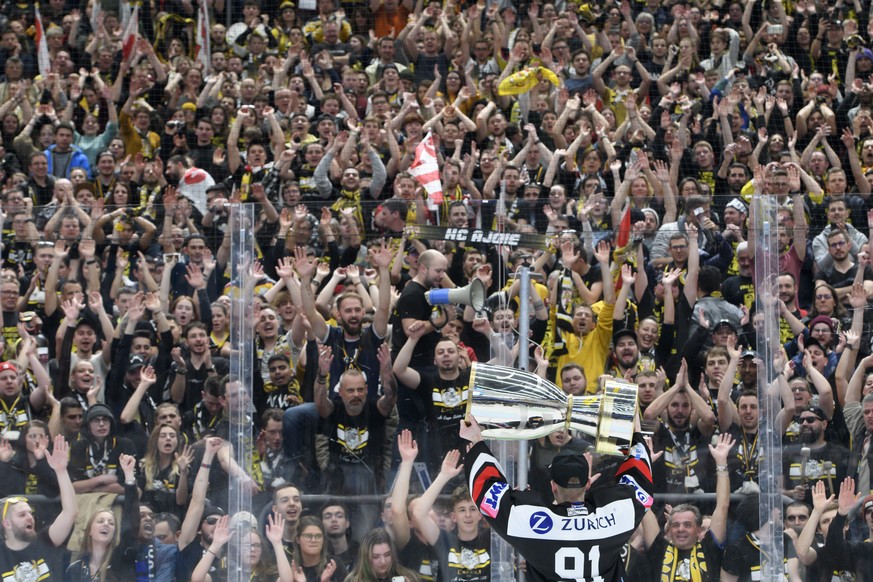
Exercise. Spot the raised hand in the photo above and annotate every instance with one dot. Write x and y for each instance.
(569, 254)
(848, 498)
(275, 528)
(148, 376)
(95, 301)
(670, 277)
(127, 464)
(305, 265)
(407, 446)
(820, 499)
(221, 534)
(722, 448)
(627, 275)
(325, 358)
(72, 308)
(602, 252)
(87, 248)
(184, 458)
(194, 276)
(58, 457)
(450, 467)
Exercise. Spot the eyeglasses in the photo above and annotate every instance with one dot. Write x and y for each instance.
(11, 501)
(212, 520)
(678, 247)
(837, 244)
(311, 537)
(824, 296)
(808, 419)
(798, 389)
(101, 420)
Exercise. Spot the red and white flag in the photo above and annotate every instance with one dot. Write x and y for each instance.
(131, 33)
(204, 52)
(426, 169)
(42, 51)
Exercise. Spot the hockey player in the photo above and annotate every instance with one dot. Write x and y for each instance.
(581, 536)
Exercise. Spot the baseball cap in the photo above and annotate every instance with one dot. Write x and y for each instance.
(211, 510)
(569, 469)
(135, 362)
(811, 342)
(624, 332)
(738, 205)
(749, 353)
(722, 323)
(816, 410)
(8, 366)
(868, 503)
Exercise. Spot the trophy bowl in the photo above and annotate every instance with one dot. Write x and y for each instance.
(511, 404)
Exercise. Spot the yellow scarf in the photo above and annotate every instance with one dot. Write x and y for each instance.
(349, 199)
(671, 564)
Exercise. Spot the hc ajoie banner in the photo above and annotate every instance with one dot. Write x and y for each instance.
(480, 236)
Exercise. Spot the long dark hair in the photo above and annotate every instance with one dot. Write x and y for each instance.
(363, 571)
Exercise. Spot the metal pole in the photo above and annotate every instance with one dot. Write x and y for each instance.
(766, 256)
(523, 275)
(239, 389)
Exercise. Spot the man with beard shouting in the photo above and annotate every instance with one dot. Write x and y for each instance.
(26, 554)
(353, 345)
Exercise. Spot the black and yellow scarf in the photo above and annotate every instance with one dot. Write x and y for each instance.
(698, 568)
(349, 199)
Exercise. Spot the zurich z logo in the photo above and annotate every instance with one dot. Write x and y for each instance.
(540, 522)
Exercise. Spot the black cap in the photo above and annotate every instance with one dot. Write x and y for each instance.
(810, 342)
(723, 322)
(816, 410)
(211, 510)
(624, 332)
(569, 469)
(135, 362)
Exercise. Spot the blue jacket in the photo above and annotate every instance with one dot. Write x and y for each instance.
(78, 160)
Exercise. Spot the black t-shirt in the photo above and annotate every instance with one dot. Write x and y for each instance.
(355, 439)
(446, 404)
(682, 467)
(38, 561)
(421, 558)
(359, 353)
(743, 557)
(413, 305)
(828, 464)
(836, 279)
(740, 291)
(464, 561)
(676, 564)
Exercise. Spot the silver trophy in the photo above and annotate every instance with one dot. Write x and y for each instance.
(511, 404)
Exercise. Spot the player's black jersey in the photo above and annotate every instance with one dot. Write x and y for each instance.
(579, 542)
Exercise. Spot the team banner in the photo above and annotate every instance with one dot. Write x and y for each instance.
(481, 236)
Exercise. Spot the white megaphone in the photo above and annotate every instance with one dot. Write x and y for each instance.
(472, 295)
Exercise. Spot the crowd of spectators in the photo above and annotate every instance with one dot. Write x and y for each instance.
(633, 183)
